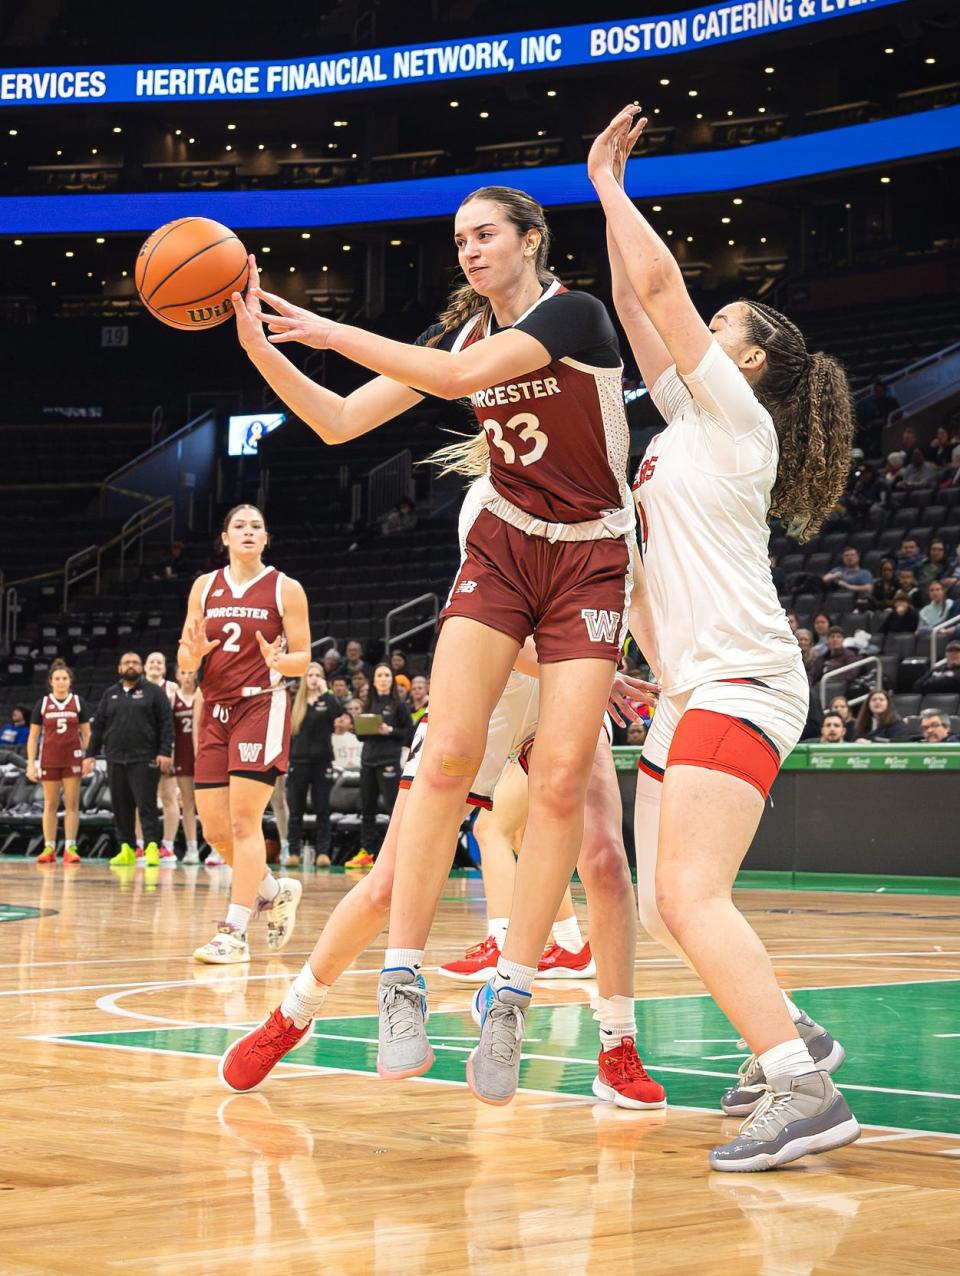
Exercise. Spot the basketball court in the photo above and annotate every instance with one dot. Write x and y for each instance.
(124, 1152)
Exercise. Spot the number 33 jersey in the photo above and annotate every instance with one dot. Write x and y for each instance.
(233, 614)
(559, 441)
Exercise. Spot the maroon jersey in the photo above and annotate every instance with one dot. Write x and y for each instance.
(59, 721)
(234, 613)
(559, 441)
(183, 754)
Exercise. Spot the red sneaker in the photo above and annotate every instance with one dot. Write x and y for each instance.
(248, 1061)
(557, 963)
(622, 1079)
(477, 964)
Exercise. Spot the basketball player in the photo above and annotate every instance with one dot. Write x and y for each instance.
(155, 671)
(248, 625)
(548, 553)
(181, 702)
(59, 732)
(756, 425)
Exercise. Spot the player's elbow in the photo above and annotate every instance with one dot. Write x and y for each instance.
(658, 276)
(452, 383)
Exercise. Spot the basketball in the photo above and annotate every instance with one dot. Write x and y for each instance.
(186, 271)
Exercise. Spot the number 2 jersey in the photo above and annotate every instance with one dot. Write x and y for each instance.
(559, 441)
(59, 722)
(233, 614)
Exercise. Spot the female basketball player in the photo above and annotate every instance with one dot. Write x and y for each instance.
(248, 625)
(60, 726)
(155, 671)
(757, 424)
(184, 757)
(548, 553)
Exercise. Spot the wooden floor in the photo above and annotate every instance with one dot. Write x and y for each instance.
(122, 1152)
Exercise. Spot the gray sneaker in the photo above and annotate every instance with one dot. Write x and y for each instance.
(493, 1068)
(826, 1053)
(404, 1048)
(811, 1115)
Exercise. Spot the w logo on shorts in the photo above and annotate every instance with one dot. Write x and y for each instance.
(602, 626)
(249, 752)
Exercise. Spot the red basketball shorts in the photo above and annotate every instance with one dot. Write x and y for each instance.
(250, 736)
(571, 595)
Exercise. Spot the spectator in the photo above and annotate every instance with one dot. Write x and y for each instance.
(380, 760)
(359, 681)
(885, 585)
(849, 575)
(832, 729)
(175, 565)
(805, 643)
(778, 575)
(907, 584)
(839, 704)
(866, 492)
(902, 618)
(346, 746)
(340, 688)
(401, 519)
(311, 761)
(837, 519)
(878, 721)
(821, 627)
(944, 677)
(940, 448)
(893, 474)
(952, 577)
(403, 686)
(636, 733)
(877, 406)
(792, 621)
(936, 566)
(332, 663)
(836, 656)
(14, 734)
(354, 706)
(936, 729)
(133, 724)
(910, 557)
(939, 608)
(920, 472)
(354, 661)
(419, 697)
(398, 661)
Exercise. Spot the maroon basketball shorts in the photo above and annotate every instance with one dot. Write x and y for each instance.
(248, 737)
(571, 595)
(71, 772)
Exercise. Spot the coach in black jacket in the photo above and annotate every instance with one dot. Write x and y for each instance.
(133, 726)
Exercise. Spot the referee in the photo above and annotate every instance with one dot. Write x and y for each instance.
(133, 726)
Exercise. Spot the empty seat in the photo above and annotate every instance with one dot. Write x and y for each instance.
(902, 645)
(944, 702)
(905, 517)
(906, 704)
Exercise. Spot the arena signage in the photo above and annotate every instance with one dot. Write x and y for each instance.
(451, 60)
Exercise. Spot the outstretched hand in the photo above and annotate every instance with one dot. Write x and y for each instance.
(627, 694)
(271, 651)
(249, 328)
(290, 322)
(194, 639)
(612, 148)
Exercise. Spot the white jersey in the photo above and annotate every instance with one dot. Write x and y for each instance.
(703, 495)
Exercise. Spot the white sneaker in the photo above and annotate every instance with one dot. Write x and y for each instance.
(228, 946)
(214, 860)
(281, 915)
(191, 857)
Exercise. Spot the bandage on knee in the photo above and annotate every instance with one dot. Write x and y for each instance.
(451, 764)
(719, 742)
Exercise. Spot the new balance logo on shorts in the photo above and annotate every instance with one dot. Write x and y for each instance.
(602, 626)
(466, 587)
(249, 752)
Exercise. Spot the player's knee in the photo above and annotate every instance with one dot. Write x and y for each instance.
(603, 865)
(651, 920)
(243, 826)
(558, 787)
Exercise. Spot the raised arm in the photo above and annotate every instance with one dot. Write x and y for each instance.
(650, 267)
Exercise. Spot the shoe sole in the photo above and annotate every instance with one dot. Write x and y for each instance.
(494, 1103)
(298, 895)
(830, 1064)
(465, 977)
(609, 1095)
(239, 1042)
(567, 972)
(840, 1136)
(388, 1075)
(222, 961)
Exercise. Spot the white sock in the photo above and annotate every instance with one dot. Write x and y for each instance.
(304, 997)
(617, 1018)
(794, 1011)
(284, 846)
(238, 916)
(497, 929)
(269, 888)
(167, 844)
(412, 958)
(567, 934)
(784, 1062)
(71, 844)
(512, 974)
(191, 846)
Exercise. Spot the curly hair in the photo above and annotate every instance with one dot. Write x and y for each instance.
(808, 397)
(470, 455)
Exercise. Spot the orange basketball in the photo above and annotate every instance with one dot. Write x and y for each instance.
(186, 271)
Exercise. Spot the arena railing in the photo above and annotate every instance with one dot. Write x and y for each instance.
(836, 675)
(391, 638)
(952, 622)
(79, 567)
(388, 484)
(133, 534)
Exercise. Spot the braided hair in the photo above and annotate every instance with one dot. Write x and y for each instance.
(808, 397)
